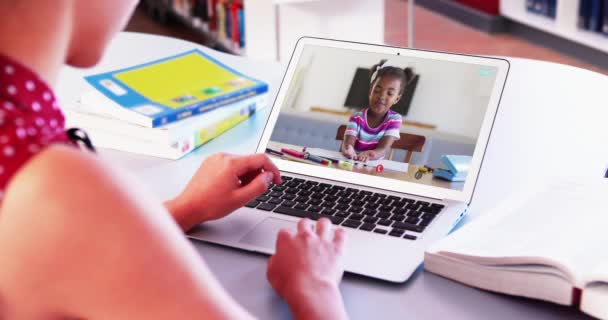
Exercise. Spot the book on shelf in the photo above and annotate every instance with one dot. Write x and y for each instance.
(171, 89)
(171, 141)
(592, 15)
(552, 8)
(544, 242)
(584, 11)
(543, 7)
(224, 18)
(605, 18)
(595, 15)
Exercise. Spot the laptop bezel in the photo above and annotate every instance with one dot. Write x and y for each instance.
(393, 185)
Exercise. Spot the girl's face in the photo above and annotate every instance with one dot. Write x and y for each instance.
(384, 94)
(94, 25)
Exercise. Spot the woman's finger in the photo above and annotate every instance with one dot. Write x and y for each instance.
(339, 238)
(255, 162)
(324, 228)
(249, 176)
(305, 226)
(254, 188)
(283, 237)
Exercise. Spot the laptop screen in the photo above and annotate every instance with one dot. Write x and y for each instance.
(397, 117)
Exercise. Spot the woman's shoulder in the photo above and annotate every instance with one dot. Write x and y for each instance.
(56, 174)
(53, 164)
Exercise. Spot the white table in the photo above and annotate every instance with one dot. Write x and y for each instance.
(552, 120)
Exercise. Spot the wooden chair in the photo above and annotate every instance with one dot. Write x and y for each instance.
(409, 142)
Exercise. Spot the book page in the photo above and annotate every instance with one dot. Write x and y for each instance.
(599, 273)
(595, 295)
(564, 222)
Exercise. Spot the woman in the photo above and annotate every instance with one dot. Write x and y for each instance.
(80, 240)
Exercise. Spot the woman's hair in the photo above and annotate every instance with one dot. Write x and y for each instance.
(405, 75)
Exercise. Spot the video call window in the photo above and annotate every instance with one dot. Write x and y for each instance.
(397, 117)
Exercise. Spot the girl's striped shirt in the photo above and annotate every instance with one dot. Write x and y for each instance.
(367, 137)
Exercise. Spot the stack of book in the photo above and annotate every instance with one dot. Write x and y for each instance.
(166, 108)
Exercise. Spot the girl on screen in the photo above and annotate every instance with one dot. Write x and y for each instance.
(370, 133)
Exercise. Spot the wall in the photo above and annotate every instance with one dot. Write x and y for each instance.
(274, 26)
(452, 96)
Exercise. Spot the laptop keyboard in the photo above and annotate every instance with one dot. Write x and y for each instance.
(349, 207)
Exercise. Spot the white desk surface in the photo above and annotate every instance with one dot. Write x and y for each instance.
(553, 120)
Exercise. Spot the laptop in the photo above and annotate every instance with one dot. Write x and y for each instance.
(391, 210)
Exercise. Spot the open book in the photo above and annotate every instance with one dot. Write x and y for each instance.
(546, 243)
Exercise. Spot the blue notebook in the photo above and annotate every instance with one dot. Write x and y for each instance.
(171, 89)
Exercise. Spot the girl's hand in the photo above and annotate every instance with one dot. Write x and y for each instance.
(222, 184)
(306, 270)
(349, 152)
(367, 155)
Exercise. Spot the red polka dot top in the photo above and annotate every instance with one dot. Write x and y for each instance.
(30, 118)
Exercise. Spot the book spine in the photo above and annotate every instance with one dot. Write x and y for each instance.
(208, 105)
(530, 5)
(605, 18)
(241, 14)
(245, 106)
(544, 7)
(235, 24)
(228, 21)
(538, 6)
(211, 4)
(205, 135)
(188, 143)
(221, 20)
(576, 297)
(595, 15)
(552, 8)
(583, 14)
(176, 147)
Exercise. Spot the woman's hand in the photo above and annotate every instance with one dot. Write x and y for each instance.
(307, 268)
(349, 152)
(222, 184)
(367, 155)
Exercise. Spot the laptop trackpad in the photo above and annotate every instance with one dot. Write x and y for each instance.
(264, 234)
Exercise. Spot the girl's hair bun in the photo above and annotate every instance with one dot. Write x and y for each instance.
(382, 69)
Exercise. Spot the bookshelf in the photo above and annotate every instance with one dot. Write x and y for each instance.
(564, 25)
(204, 16)
(272, 27)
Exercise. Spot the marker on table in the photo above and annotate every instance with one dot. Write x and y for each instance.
(293, 153)
(316, 159)
(378, 168)
(278, 153)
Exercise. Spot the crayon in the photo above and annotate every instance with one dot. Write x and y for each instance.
(278, 153)
(293, 153)
(314, 158)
